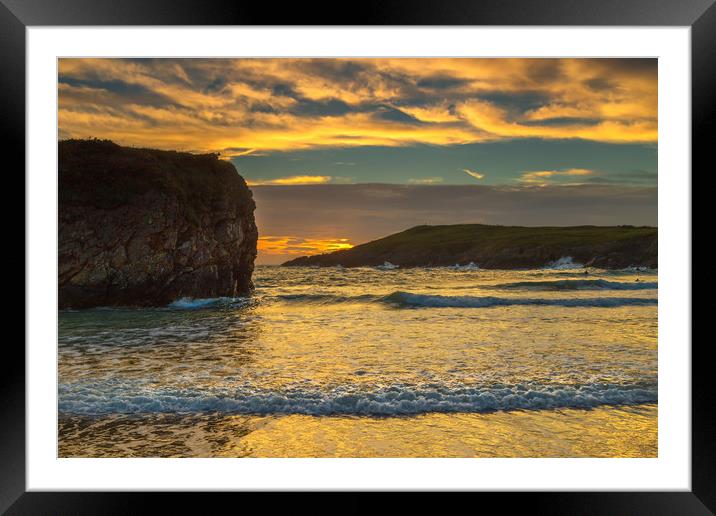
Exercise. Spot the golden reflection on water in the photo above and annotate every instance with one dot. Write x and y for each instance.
(599, 432)
(195, 382)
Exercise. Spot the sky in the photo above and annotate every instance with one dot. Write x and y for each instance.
(341, 151)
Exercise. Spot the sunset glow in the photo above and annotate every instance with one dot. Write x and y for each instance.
(543, 176)
(296, 246)
(292, 180)
(306, 132)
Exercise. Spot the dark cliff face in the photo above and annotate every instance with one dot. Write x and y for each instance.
(141, 227)
(501, 247)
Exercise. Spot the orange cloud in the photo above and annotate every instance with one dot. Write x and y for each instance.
(240, 106)
(291, 180)
(437, 113)
(542, 176)
(495, 121)
(476, 175)
(293, 245)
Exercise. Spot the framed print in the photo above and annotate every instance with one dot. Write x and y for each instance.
(437, 250)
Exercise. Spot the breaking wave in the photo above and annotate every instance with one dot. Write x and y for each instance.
(472, 266)
(594, 284)
(564, 263)
(116, 397)
(401, 299)
(187, 303)
(406, 299)
(387, 266)
(635, 268)
(324, 299)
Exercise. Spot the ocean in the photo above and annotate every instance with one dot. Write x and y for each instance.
(371, 362)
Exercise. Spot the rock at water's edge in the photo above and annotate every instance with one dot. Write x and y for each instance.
(143, 227)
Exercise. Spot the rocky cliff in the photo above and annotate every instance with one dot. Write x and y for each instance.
(142, 227)
(501, 247)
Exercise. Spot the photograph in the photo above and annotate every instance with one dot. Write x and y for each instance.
(358, 257)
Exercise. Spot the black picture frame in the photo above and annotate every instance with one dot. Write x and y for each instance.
(17, 15)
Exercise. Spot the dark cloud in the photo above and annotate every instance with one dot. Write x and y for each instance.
(642, 67)
(599, 84)
(395, 115)
(282, 89)
(441, 82)
(545, 70)
(118, 91)
(329, 107)
(517, 102)
(334, 69)
(262, 107)
(215, 85)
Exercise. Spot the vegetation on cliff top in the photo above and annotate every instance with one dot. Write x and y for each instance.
(101, 174)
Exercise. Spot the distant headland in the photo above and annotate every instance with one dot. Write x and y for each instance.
(500, 247)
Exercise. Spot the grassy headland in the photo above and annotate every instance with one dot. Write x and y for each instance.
(500, 247)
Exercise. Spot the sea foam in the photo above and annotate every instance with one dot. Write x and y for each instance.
(387, 266)
(407, 299)
(400, 299)
(564, 263)
(124, 397)
(188, 303)
(588, 284)
(472, 266)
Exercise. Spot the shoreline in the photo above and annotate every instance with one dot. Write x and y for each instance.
(605, 431)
